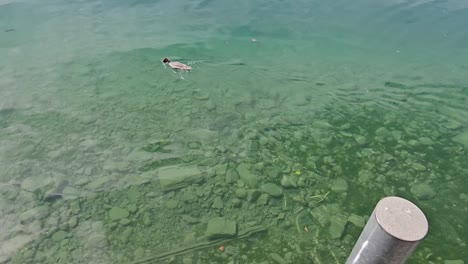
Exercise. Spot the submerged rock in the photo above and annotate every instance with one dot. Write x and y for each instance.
(423, 191)
(117, 213)
(337, 227)
(217, 203)
(462, 138)
(219, 227)
(250, 179)
(459, 261)
(339, 185)
(357, 220)
(59, 236)
(175, 177)
(241, 193)
(418, 166)
(289, 181)
(272, 189)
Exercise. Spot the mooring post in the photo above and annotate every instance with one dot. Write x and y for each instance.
(392, 233)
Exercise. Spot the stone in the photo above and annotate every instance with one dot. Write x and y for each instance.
(139, 253)
(73, 221)
(210, 105)
(172, 204)
(277, 258)
(99, 183)
(263, 199)
(321, 124)
(298, 135)
(220, 227)
(361, 140)
(289, 181)
(187, 260)
(423, 191)
(272, 172)
(132, 208)
(263, 141)
(272, 189)
(426, 141)
(221, 169)
(453, 124)
(217, 203)
(231, 176)
(459, 261)
(462, 138)
(133, 195)
(396, 134)
(117, 213)
(250, 179)
(190, 238)
(176, 177)
(236, 202)
(339, 185)
(324, 213)
(36, 213)
(253, 195)
(357, 220)
(382, 132)
(418, 166)
(337, 227)
(125, 235)
(59, 236)
(125, 222)
(241, 193)
(96, 240)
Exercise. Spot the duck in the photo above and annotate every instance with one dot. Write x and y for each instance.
(176, 65)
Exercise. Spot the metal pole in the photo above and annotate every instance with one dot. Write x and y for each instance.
(392, 233)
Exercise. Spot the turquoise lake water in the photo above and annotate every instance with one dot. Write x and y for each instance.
(297, 118)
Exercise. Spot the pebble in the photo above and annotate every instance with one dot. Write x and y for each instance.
(423, 191)
(117, 213)
(59, 236)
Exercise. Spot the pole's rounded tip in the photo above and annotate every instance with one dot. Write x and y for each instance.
(401, 219)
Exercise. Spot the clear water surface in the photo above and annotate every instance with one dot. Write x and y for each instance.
(298, 116)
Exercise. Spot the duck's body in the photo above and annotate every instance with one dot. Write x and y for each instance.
(176, 65)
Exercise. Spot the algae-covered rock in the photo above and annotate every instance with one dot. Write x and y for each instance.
(361, 140)
(117, 213)
(231, 176)
(250, 179)
(462, 138)
(426, 141)
(221, 169)
(59, 236)
(423, 191)
(337, 227)
(325, 212)
(241, 193)
(458, 261)
(277, 258)
(272, 189)
(175, 177)
(263, 199)
(357, 220)
(382, 132)
(339, 185)
(219, 227)
(289, 181)
(172, 204)
(217, 203)
(418, 166)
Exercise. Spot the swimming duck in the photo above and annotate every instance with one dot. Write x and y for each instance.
(176, 65)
